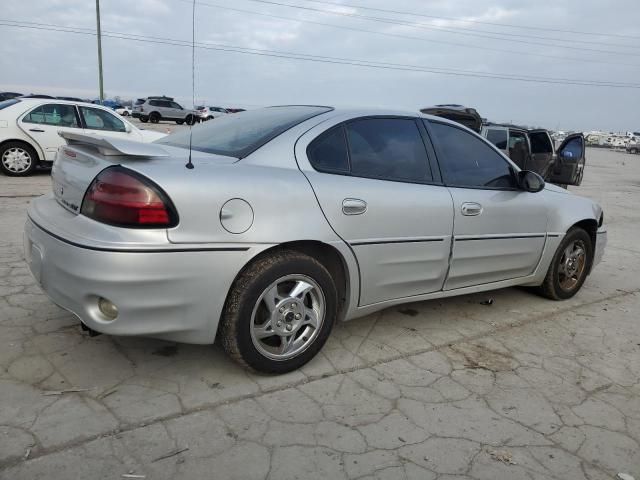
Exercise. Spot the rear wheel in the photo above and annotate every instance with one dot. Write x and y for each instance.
(154, 117)
(17, 159)
(125, 114)
(144, 119)
(569, 267)
(633, 150)
(179, 122)
(279, 312)
(190, 119)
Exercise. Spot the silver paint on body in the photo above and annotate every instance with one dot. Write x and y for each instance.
(398, 242)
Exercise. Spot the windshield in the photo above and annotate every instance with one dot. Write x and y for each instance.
(240, 135)
(8, 103)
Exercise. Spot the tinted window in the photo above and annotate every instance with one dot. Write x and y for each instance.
(239, 135)
(498, 138)
(155, 103)
(8, 103)
(470, 162)
(140, 101)
(96, 119)
(328, 152)
(53, 114)
(540, 143)
(573, 148)
(174, 105)
(387, 148)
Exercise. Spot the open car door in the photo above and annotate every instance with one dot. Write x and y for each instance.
(570, 160)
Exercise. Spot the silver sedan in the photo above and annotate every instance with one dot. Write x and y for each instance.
(278, 222)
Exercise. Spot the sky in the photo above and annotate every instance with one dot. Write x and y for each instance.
(463, 35)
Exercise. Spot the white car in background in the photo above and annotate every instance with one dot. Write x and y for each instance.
(29, 130)
(209, 113)
(124, 111)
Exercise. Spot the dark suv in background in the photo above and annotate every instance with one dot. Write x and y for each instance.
(529, 149)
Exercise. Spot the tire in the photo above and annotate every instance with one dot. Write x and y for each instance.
(17, 159)
(633, 150)
(259, 339)
(179, 122)
(190, 120)
(210, 117)
(154, 117)
(125, 114)
(144, 119)
(558, 285)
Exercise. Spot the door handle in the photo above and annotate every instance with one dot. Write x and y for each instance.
(471, 209)
(36, 130)
(353, 206)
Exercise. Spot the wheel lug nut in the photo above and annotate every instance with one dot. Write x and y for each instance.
(288, 327)
(293, 305)
(278, 324)
(298, 316)
(281, 309)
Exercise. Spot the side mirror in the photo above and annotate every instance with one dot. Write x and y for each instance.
(530, 181)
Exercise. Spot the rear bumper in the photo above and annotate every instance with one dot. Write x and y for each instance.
(173, 295)
(136, 114)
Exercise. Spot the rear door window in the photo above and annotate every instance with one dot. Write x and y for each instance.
(97, 119)
(388, 149)
(469, 162)
(328, 153)
(498, 137)
(60, 115)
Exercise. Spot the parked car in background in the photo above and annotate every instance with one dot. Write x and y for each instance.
(379, 208)
(30, 127)
(122, 110)
(7, 95)
(530, 149)
(155, 109)
(71, 99)
(633, 147)
(235, 110)
(38, 95)
(209, 113)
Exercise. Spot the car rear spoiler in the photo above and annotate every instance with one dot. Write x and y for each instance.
(114, 146)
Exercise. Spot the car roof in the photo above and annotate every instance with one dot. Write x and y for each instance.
(39, 101)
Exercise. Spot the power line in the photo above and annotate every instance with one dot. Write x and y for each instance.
(495, 24)
(318, 58)
(414, 38)
(431, 27)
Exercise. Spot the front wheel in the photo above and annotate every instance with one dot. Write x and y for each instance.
(279, 312)
(179, 122)
(17, 159)
(144, 119)
(569, 267)
(154, 117)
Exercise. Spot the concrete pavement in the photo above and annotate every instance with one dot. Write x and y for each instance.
(450, 389)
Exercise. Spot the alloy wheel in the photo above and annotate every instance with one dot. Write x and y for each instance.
(287, 317)
(572, 266)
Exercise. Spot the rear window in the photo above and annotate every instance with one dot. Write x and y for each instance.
(140, 101)
(8, 103)
(498, 138)
(240, 135)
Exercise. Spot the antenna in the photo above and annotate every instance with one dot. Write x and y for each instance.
(189, 164)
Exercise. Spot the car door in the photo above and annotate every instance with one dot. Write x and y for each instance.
(542, 156)
(104, 123)
(374, 180)
(499, 230)
(570, 161)
(43, 123)
(177, 112)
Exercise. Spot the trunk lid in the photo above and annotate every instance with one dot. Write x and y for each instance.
(79, 162)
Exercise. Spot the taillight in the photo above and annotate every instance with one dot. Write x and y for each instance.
(124, 198)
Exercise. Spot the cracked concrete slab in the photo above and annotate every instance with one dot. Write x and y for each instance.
(449, 390)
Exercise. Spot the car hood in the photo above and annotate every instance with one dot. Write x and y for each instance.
(555, 188)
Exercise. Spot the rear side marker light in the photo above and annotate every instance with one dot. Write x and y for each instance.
(118, 196)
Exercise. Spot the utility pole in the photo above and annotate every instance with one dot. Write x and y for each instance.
(99, 51)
